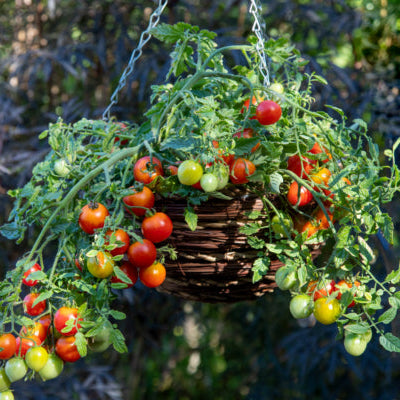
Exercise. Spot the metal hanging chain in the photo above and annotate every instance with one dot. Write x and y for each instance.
(144, 38)
(258, 29)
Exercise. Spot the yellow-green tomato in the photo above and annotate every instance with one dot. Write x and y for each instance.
(189, 172)
(301, 306)
(61, 167)
(277, 87)
(281, 224)
(355, 344)
(52, 368)
(101, 265)
(36, 358)
(4, 381)
(326, 311)
(209, 182)
(15, 369)
(285, 278)
(7, 395)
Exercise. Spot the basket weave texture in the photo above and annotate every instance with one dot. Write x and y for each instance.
(214, 262)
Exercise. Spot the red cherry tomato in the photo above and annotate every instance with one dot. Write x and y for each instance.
(45, 321)
(294, 198)
(139, 202)
(8, 346)
(268, 112)
(153, 276)
(316, 149)
(63, 315)
(119, 236)
(172, 169)
(147, 168)
(38, 330)
(321, 289)
(29, 299)
(142, 254)
(343, 286)
(66, 349)
(157, 227)
(92, 217)
(130, 271)
(300, 166)
(240, 170)
(25, 343)
(29, 282)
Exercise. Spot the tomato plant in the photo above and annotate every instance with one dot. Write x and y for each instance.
(66, 321)
(147, 169)
(142, 254)
(92, 217)
(31, 306)
(66, 349)
(120, 238)
(131, 273)
(153, 275)
(101, 264)
(140, 201)
(8, 346)
(157, 227)
(268, 112)
(25, 343)
(298, 196)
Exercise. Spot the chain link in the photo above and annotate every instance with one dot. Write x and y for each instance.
(136, 54)
(259, 30)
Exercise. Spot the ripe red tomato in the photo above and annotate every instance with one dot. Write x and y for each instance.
(25, 343)
(142, 254)
(139, 202)
(8, 345)
(268, 112)
(173, 170)
(240, 170)
(153, 276)
(247, 134)
(344, 286)
(316, 149)
(39, 330)
(29, 299)
(293, 195)
(157, 227)
(45, 321)
(101, 265)
(130, 271)
(63, 315)
(29, 282)
(323, 289)
(66, 349)
(147, 168)
(300, 166)
(119, 236)
(92, 217)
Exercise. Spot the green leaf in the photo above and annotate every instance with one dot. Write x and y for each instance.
(81, 344)
(255, 242)
(118, 315)
(12, 230)
(118, 341)
(390, 342)
(260, 268)
(250, 228)
(171, 33)
(394, 276)
(388, 316)
(190, 218)
(275, 181)
(42, 296)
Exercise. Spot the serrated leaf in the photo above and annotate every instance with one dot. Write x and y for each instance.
(11, 230)
(390, 342)
(42, 296)
(357, 328)
(275, 181)
(260, 268)
(190, 218)
(394, 277)
(118, 341)
(255, 242)
(388, 316)
(81, 344)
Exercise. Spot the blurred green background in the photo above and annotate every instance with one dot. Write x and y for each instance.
(65, 57)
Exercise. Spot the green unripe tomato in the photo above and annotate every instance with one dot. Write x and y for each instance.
(36, 358)
(285, 278)
(61, 167)
(101, 341)
(16, 369)
(279, 224)
(4, 381)
(52, 368)
(301, 306)
(7, 395)
(355, 344)
(209, 182)
(189, 172)
(277, 87)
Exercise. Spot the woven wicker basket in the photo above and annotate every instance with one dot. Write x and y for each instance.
(214, 262)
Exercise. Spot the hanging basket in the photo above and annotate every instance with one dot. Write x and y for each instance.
(215, 261)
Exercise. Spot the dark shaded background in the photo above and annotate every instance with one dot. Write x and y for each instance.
(65, 57)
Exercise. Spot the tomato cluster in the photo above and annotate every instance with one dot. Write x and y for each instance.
(327, 301)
